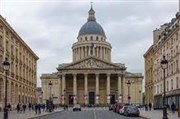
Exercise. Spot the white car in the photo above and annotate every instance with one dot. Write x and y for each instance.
(121, 111)
(77, 107)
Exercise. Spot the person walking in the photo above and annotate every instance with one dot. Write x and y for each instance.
(18, 107)
(29, 106)
(24, 108)
(173, 107)
(36, 108)
(146, 107)
(150, 106)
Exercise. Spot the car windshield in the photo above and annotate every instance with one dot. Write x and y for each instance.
(77, 105)
(133, 107)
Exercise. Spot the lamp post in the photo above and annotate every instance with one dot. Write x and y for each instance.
(164, 66)
(6, 66)
(50, 101)
(128, 84)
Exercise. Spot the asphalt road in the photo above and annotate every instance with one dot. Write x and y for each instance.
(89, 114)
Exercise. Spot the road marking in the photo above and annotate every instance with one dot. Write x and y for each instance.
(94, 115)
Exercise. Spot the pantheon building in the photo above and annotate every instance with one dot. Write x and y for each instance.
(92, 78)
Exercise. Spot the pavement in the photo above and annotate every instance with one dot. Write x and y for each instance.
(157, 114)
(28, 114)
(101, 113)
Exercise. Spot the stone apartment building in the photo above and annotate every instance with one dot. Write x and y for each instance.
(166, 42)
(22, 75)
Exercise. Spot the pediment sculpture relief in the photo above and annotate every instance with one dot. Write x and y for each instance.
(91, 63)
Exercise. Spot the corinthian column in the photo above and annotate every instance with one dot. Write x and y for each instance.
(74, 89)
(63, 89)
(108, 88)
(97, 88)
(122, 86)
(119, 89)
(86, 88)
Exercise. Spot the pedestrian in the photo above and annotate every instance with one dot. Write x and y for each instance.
(18, 107)
(39, 108)
(173, 107)
(24, 107)
(9, 107)
(146, 107)
(150, 106)
(29, 106)
(36, 108)
(43, 107)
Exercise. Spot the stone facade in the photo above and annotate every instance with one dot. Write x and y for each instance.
(166, 43)
(149, 84)
(92, 78)
(22, 75)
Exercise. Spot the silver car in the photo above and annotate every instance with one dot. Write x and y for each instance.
(131, 111)
(77, 107)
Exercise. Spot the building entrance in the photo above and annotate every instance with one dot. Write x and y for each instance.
(70, 99)
(112, 99)
(91, 98)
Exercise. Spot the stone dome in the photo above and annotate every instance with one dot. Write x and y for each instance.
(91, 26)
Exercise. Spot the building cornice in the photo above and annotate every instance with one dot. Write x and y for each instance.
(17, 36)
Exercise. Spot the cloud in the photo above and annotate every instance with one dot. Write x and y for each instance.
(50, 28)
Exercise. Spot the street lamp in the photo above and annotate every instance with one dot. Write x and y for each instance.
(6, 66)
(50, 102)
(164, 66)
(129, 84)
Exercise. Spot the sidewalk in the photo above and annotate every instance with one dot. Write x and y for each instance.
(27, 114)
(157, 114)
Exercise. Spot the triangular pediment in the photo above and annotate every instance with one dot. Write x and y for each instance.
(93, 63)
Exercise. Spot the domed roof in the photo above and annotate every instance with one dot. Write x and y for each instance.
(91, 26)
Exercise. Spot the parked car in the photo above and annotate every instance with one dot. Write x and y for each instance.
(77, 107)
(121, 110)
(131, 111)
(111, 107)
(117, 107)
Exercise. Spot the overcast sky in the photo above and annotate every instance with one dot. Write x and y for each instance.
(50, 27)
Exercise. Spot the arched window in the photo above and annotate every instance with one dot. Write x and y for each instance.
(85, 38)
(91, 38)
(96, 37)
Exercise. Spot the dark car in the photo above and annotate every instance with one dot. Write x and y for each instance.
(131, 111)
(111, 107)
(77, 107)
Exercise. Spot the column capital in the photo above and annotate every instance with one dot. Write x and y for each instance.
(85, 74)
(119, 75)
(74, 74)
(97, 74)
(108, 74)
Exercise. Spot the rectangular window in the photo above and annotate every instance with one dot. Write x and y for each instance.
(171, 84)
(167, 85)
